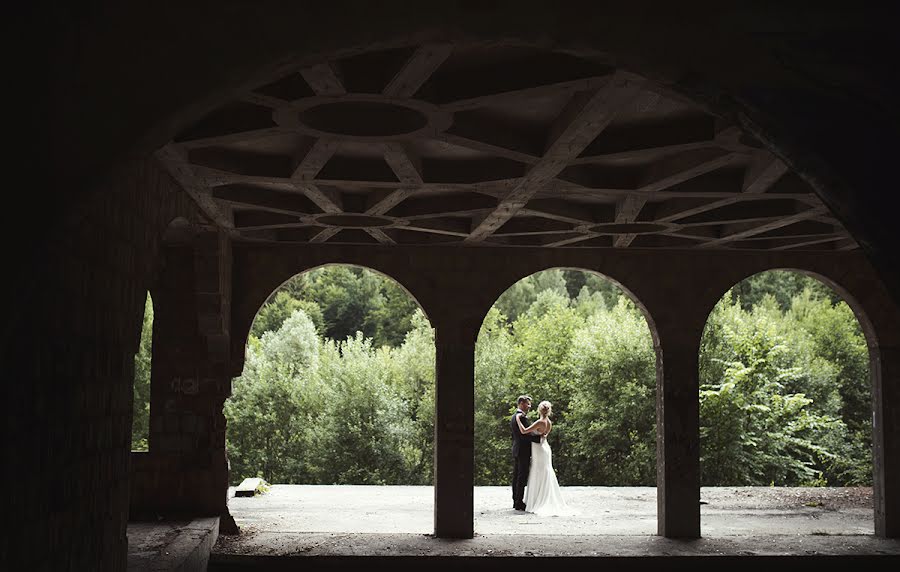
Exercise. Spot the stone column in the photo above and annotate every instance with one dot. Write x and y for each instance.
(186, 470)
(454, 430)
(678, 432)
(885, 370)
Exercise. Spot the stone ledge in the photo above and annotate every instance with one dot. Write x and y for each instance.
(295, 551)
(183, 546)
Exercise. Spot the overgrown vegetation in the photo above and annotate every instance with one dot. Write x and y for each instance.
(140, 424)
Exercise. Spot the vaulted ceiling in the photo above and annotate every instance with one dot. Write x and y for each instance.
(489, 144)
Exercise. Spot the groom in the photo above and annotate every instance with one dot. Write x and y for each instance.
(521, 450)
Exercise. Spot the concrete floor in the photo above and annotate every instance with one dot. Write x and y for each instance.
(628, 511)
(294, 526)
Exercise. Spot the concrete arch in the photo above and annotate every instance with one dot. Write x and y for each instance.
(259, 278)
(648, 316)
(852, 278)
(858, 308)
(240, 335)
(875, 313)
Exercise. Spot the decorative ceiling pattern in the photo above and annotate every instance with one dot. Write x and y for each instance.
(493, 145)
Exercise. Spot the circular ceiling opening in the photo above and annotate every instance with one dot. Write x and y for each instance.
(354, 220)
(363, 118)
(630, 228)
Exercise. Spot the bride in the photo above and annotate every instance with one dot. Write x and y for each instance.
(542, 495)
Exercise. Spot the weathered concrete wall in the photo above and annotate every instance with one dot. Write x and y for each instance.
(68, 356)
(185, 471)
(467, 281)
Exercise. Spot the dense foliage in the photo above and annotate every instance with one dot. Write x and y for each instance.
(309, 409)
(785, 394)
(341, 301)
(140, 424)
(338, 385)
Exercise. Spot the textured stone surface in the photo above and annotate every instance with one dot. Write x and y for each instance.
(70, 349)
(182, 546)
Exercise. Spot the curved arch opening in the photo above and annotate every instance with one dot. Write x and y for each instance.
(786, 407)
(335, 406)
(581, 341)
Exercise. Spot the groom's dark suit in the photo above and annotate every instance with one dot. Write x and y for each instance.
(521, 450)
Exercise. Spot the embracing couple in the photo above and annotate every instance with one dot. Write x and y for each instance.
(532, 463)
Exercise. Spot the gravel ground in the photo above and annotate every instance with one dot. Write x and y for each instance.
(292, 520)
(724, 511)
(826, 498)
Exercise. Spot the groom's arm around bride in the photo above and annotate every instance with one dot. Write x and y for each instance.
(521, 450)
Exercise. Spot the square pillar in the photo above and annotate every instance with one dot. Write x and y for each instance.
(885, 370)
(454, 433)
(678, 436)
(186, 470)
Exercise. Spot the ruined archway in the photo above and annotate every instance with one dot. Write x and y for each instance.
(337, 389)
(583, 342)
(787, 378)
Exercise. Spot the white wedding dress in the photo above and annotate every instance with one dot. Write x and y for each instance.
(542, 493)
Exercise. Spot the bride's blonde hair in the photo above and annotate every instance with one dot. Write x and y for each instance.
(544, 408)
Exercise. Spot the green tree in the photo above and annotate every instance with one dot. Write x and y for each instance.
(773, 395)
(365, 429)
(784, 384)
(275, 405)
(783, 285)
(519, 297)
(838, 346)
(580, 283)
(392, 318)
(536, 355)
(353, 299)
(347, 295)
(279, 308)
(611, 439)
(752, 431)
(837, 338)
(539, 363)
(412, 377)
(495, 397)
(356, 410)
